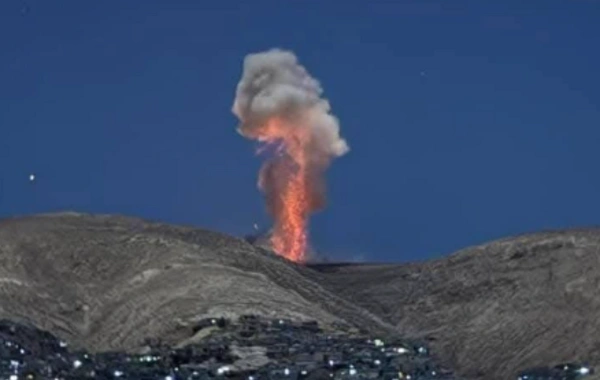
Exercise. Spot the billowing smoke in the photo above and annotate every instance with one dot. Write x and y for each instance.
(279, 104)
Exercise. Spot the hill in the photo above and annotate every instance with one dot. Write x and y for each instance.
(490, 310)
(110, 282)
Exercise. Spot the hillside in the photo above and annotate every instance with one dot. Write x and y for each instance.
(489, 310)
(108, 282)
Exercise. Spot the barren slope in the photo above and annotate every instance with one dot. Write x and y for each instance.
(495, 308)
(107, 282)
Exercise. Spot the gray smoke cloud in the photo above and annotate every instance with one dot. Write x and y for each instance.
(274, 84)
(278, 102)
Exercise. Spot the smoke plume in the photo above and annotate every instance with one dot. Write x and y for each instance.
(280, 105)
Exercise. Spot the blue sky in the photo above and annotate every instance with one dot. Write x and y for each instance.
(468, 120)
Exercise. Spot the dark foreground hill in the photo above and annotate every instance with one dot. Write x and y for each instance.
(109, 283)
(249, 348)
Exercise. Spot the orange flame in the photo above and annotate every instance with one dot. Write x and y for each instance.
(286, 181)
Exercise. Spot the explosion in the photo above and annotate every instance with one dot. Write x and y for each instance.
(279, 105)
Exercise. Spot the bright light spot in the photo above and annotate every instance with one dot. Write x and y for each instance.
(77, 363)
(32, 177)
(584, 370)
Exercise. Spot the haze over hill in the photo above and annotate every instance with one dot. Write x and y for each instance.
(110, 282)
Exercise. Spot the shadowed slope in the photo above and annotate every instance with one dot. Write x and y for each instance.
(492, 309)
(108, 282)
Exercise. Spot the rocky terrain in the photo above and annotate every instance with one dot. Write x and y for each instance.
(249, 347)
(106, 283)
(110, 282)
(521, 302)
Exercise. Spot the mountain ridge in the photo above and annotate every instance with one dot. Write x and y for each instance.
(109, 282)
